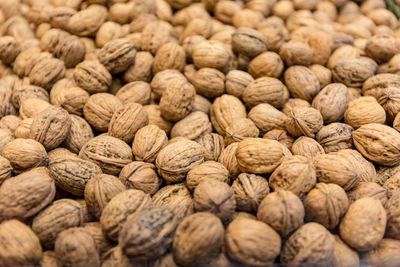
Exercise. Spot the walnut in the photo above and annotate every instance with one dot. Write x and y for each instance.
(375, 84)
(282, 210)
(229, 160)
(93, 17)
(249, 190)
(5, 100)
(192, 126)
(209, 82)
(32, 106)
(148, 142)
(9, 49)
(381, 47)
(310, 243)
(19, 244)
(79, 134)
(392, 185)
(384, 173)
(321, 44)
(294, 103)
(212, 144)
(120, 207)
(276, 36)
(323, 74)
(306, 146)
(47, 72)
(211, 54)
(244, 239)
(266, 90)
(248, 42)
(281, 136)
(267, 118)
(386, 253)
(92, 76)
(109, 31)
(393, 213)
(55, 218)
(364, 110)
(10, 122)
(296, 53)
(155, 34)
(198, 239)
(169, 56)
(239, 130)
(24, 92)
(141, 176)
(163, 79)
(48, 259)
(388, 99)
(148, 233)
(344, 255)
(155, 118)
(103, 244)
(201, 104)
(206, 170)
(75, 246)
(135, 92)
(71, 99)
(117, 55)
(301, 82)
(141, 70)
(371, 139)
(71, 50)
(5, 169)
(236, 82)
(304, 121)
(335, 136)
(365, 215)
(368, 189)
(353, 71)
(266, 64)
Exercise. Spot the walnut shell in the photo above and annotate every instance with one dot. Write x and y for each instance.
(323, 74)
(57, 217)
(301, 82)
(163, 79)
(213, 144)
(92, 76)
(239, 130)
(209, 82)
(364, 224)
(267, 118)
(296, 53)
(155, 118)
(244, 240)
(31, 107)
(282, 210)
(310, 243)
(9, 49)
(100, 190)
(266, 90)
(47, 72)
(258, 155)
(25, 154)
(19, 244)
(10, 122)
(71, 50)
(353, 72)
(155, 34)
(248, 42)
(331, 102)
(198, 239)
(6, 104)
(229, 160)
(87, 21)
(364, 110)
(211, 54)
(103, 244)
(79, 134)
(115, 257)
(368, 189)
(71, 99)
(344, 255)
(304, 121)
(24, 92)
(120, 207)
(50, 127)
(374, 85)
(148, 142)
(176, 159)
(386, 253)
(392, 185)
(72, 174)
(192, 126)
(295, 174)
(294, 103)
(216, 197)
(250, 190)
(169, 56)
(335, 136)
(381, 47)
(236, 82)
(75, 246)
(281, 136)
(135, 92)
(140, 175)
(117, 55)
(267, 64)
(26, 194)
(393, 216)
(349, 170)
(326, 204)
(373, 139)
(5, 169)
(148, 233)
(306, 146)
(206, 170)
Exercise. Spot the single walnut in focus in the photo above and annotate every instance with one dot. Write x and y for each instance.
(250, 190)
(236, 82)
(364, 110)
(140, 175)
(117, 55)
(9, 49)
(79, 134)
(209, 82)
(71, 99)
(93, 17)
(239, 130)
(353, 71)
(310, 243)
(248, 42)
(148, 233)
(267, 118)
(296, 53)
(192, 126)
(198, 239)
(10, 122)
(135, 92)
(266, 64)
(206, 170)
(266, 90)
(148, 142)
(92, 76)
(382, 47)
(301, 82)
(306, 146)
(211, 54)
(169, 56)
(335, 136)
(75, 246)
(213, 145)
(304, 121)
(282, 210)
(246, 240)
(364, 224)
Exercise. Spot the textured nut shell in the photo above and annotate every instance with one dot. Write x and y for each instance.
(71, 99)
(92, 76)
(154, 35)
(252, 242)
(372, 139)
(392, 185)
(375, 84)
(239, 130)
(208, 82)
(258, 155)
(10, 122)
(224, 110)
(369, 189)
(142, 68)
(282, 210)
(364, 224)
(72, 174)
(75, 246)
(343, 255)
(71, 50)
(50, 127)
(60, 215)
(47, 72)
(236, 82)
(267, 118)
(393, 216)
(198, 239)
(19, 245)
(24, 92)
(26, 194)
(100, 190)
(364, 110)
(31, 107)
(110, 153)
(177, 100)
(99, 110)
(216, 197)
(295, 174)
(267, 64)
(386, 253)
(353, 71)
(310, 243)
(169, 56)
(206, 170)
(117, 55)
(335, 136)
(148, 142)
(266, 90)
(148, 233)
(155, 118)
(86, 22)
(25, 154)
(79, 134)
(331, 102)
(177, 198)
(281, 136)
(250, 190)
(211, 54)
(142, 176)
(346, 168)
(119, 208)
(126, 121)
(5, 169)
(192, 126)
(296, 53)
(212, 144)
(176, 159)
(5, 138)
(326, 204)
(248, 42)
(301, 82)
(135, 92)
(323, 74)
(304, 121)
(103, 244)
(306, 146)
(229, 160)
(294, 103)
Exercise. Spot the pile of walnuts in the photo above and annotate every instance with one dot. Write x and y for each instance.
(170, 133)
